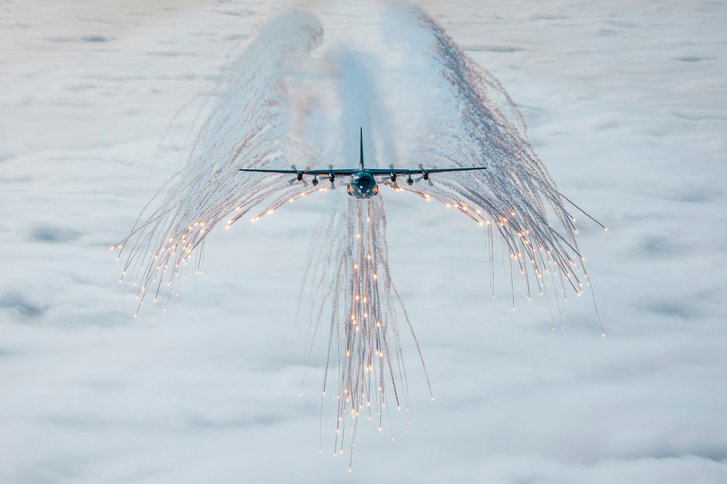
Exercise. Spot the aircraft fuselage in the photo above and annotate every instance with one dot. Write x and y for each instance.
(362, 185)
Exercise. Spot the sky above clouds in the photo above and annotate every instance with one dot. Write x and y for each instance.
(624, 103)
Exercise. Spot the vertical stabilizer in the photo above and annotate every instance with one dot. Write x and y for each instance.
(361, 158)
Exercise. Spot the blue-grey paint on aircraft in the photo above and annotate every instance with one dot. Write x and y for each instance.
(362, 182)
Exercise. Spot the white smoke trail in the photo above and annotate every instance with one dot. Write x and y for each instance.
(246, 127)
(349, 273)
(467, 119)
(515, 198)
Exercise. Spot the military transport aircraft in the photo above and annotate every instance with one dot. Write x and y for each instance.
(362, 183)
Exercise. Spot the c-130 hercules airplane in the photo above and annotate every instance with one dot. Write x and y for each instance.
(362, 183)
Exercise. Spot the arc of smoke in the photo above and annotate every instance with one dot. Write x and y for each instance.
(515, 197)
(245, 125)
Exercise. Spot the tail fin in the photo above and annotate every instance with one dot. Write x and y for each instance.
(361, 159)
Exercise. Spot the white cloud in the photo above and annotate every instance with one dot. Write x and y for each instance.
(625, 106)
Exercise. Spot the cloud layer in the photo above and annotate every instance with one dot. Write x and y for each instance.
(623, 105)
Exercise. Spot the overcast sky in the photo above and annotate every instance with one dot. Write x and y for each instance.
(626, 106)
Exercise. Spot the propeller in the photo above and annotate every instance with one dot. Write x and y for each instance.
(425, 176)
(298, 176)
(392, 176)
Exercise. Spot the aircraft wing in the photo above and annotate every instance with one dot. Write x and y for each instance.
(373, 171)
(331, 171)
(417, 171)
